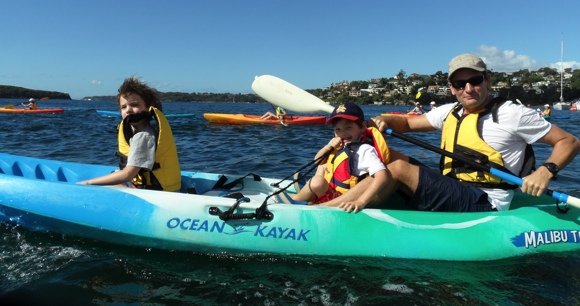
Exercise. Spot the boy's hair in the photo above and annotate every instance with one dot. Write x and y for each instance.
(133, 86)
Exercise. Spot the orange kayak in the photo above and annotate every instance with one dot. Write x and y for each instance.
(254, 119)
(31, 111)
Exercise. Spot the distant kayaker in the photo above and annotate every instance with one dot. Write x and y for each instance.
(354, 152)
(433, 105)
(147, 157)
(547, 110)
(31, 104)
(496, 130)
(417, 110)
(280, 114)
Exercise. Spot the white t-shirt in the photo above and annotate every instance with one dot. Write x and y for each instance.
(366, 160)
(517, 126)
(142, 149)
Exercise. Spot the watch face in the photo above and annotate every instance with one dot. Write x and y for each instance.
(551, 167)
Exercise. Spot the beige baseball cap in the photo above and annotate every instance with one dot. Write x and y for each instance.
(466, 60)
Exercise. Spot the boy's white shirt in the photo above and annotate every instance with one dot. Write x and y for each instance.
(367, 160)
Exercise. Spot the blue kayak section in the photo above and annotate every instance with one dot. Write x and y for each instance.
(106, 113)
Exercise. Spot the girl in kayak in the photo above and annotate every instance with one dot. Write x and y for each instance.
(280, 114)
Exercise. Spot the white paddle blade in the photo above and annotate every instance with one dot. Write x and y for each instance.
(288, 96)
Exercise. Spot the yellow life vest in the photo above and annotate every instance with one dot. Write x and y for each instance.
(166, 174)
(280, 113)
(339, 164)
(547, 112)
(460, 136)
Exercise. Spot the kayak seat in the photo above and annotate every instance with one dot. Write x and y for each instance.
(200, 183)
(17, 169)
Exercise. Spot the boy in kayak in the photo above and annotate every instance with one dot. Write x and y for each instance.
(493, 131)
(354, 153)
(147, 156)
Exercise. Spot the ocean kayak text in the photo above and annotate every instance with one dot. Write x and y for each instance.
(219, 226)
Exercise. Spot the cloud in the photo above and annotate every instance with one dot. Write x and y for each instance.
(574, 65)
(96, 82)
(509, 61)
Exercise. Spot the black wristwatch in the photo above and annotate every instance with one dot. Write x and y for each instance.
(553, 168)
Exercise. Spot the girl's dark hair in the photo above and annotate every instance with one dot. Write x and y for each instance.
(133, 86)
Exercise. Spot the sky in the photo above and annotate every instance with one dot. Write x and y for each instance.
(87, 48)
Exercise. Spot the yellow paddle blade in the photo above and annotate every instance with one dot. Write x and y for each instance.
(45, 98)
(418, 96)
(9, 106)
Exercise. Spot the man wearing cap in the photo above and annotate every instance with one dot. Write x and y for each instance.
(31, 104)
(433, 105)
(480, 128)
(547, 110)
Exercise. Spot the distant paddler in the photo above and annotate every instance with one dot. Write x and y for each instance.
(547, 110)
(280, 115)
(31, 104)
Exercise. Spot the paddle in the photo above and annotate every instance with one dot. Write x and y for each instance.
(282, 93)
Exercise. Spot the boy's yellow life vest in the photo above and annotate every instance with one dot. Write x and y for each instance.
(339, 164)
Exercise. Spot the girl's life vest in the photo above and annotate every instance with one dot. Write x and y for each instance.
(339, 165)
(460, 136)
(280, 112)
(166, 174)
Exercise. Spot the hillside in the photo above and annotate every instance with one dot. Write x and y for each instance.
(14, 92)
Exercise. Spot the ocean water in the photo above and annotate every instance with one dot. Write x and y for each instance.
(47, 269)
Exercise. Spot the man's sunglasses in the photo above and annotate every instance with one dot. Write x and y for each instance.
(474, 81)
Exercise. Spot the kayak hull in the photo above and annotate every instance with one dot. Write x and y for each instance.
(254, 119)
(31, 111)
(41, 195)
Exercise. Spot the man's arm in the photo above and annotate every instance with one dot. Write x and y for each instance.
(565, 148)
(402, 124)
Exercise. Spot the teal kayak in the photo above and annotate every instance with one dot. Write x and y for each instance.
(218, 213)
(106, 113)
